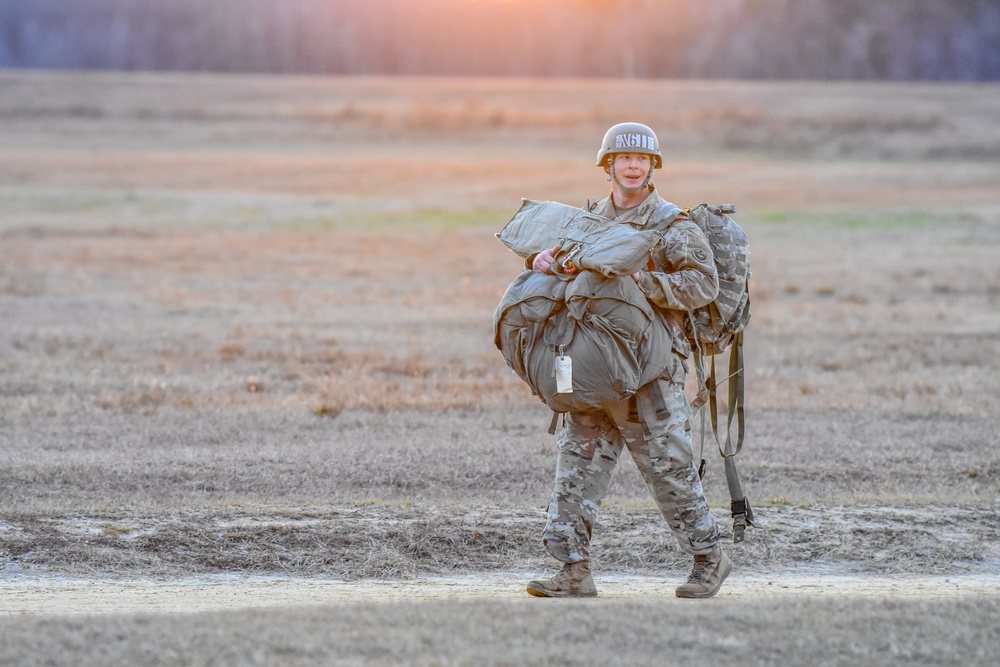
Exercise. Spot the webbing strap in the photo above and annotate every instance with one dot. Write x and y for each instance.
(735, 396)
(555, 422)
(741, 511)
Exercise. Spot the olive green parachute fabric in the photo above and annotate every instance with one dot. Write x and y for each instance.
(604, 325)
(590, 242)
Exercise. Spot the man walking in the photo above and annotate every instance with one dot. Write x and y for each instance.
(655, 424)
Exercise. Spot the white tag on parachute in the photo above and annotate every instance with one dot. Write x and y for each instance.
(564, 375)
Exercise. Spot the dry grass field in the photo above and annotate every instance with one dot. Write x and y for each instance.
(251, 411)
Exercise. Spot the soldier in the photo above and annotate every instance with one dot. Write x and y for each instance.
(655, 424)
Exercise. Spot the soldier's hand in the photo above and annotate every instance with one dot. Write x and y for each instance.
(545, 261)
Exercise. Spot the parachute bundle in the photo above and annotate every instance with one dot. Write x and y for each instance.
(605, 326)
(589, 241)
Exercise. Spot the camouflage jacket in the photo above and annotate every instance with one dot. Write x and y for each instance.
(684, 276)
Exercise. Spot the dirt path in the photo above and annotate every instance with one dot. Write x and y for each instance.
(87, 597)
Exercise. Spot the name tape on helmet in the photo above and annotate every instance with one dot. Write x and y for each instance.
(635, 140)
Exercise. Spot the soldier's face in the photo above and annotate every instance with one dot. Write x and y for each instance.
(631, 170)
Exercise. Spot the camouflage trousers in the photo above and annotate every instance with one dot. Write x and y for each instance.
(656, 428)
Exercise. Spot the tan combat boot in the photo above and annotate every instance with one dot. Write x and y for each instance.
(573, 580)
(709, 571)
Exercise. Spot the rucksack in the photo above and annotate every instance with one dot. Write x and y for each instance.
(716, 328)
(603, 328)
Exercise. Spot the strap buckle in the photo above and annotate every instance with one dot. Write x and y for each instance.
(742, 517)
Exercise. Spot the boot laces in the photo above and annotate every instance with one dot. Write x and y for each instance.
(702, 568)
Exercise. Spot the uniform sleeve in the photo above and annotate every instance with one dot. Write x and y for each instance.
(685, 276)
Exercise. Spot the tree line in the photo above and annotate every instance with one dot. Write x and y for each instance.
(757, 39)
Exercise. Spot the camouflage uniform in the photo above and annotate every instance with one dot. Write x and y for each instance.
(655, 425)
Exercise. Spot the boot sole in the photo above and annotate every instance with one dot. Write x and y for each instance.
(541, 592)
(707, 594)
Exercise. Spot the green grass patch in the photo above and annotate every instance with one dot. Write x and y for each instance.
(436, 219)
(85, 209)
(848, 219)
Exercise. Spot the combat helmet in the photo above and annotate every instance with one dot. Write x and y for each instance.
(630, 138)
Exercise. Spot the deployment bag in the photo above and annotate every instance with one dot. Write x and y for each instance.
(603, 328)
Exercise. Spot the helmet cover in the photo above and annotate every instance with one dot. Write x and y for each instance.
(630, 138)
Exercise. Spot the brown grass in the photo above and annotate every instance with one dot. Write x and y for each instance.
(247, 323)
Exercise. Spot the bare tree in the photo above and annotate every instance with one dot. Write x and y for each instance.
(814, 39)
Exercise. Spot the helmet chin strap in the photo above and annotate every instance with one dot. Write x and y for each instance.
(611, 170)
